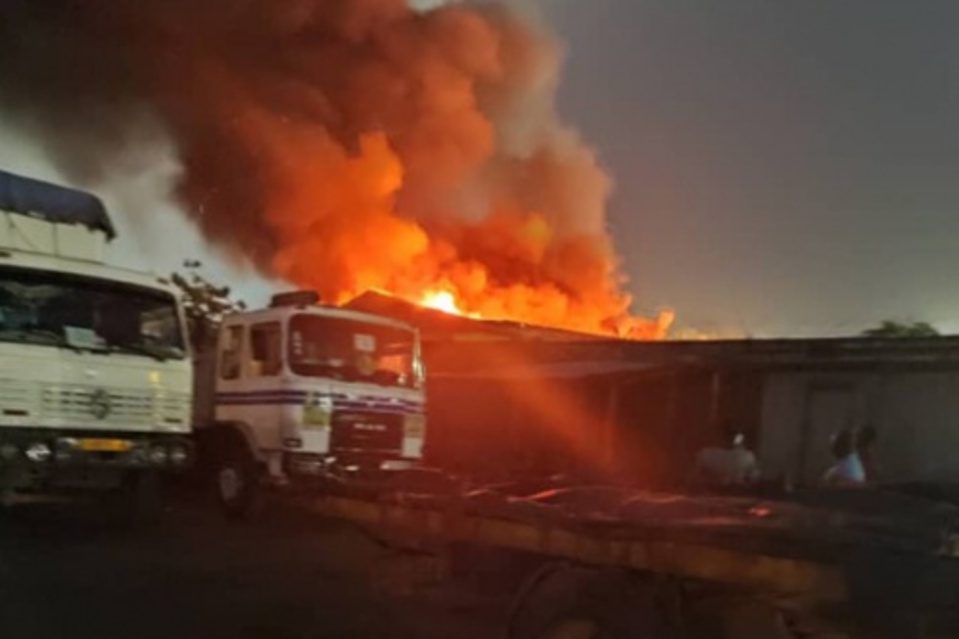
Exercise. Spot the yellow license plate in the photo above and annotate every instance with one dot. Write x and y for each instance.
(105, 445)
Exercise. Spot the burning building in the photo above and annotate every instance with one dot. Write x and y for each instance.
(541, 400)
(546, 401)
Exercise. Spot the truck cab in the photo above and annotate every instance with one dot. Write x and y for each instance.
(95, 375)
(301, 390)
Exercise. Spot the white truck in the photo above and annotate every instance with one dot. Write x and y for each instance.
(95, 372)
(300, 391)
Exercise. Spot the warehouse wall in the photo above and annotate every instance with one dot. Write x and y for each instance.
(915, 411)
(788, 398)
(643, 428)
(503, 428)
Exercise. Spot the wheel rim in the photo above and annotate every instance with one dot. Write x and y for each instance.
(575, 629)
(230, 483)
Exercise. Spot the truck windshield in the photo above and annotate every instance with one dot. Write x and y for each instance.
(83, 313)
(352, 351)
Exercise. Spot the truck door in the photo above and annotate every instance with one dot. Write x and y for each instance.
(263, 367)
(229, 373)
(249, 380)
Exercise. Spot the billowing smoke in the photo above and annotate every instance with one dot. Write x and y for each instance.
(343, 145)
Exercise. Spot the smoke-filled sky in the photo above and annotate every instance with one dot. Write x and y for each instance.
(780, 168)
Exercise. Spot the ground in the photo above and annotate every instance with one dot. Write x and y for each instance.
(65, 572)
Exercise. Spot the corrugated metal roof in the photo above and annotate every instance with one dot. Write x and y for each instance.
(437, 325)
(554, 370)
(456, 358)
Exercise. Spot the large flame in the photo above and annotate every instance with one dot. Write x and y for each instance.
(441, 301)
(343, 145)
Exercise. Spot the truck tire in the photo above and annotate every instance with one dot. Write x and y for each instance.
(237, 481)
(571, 602)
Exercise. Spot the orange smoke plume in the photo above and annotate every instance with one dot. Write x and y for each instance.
(347, 145)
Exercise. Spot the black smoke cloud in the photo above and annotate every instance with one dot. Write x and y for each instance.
(339, 144)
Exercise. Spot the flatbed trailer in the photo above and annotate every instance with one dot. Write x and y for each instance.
(615, 563)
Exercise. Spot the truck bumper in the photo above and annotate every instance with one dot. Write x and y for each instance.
(41, 460)
(298, 464)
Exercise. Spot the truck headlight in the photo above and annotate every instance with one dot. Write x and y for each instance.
(65, 447)
(8, 452)
(158, 455)
(179, 455)
(38, 452)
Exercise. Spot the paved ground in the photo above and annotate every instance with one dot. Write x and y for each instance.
(65, 573)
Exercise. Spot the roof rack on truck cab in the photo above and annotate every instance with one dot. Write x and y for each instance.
(40, 217)
(295, 298)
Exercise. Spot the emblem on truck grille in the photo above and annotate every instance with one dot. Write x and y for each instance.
(100, 404)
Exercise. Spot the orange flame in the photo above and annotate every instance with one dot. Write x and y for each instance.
(511, 265)
(441, 301)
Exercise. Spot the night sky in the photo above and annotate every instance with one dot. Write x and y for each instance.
(782, 168)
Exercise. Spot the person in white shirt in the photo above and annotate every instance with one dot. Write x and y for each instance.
(848, 471)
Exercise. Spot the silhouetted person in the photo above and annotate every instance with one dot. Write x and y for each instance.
(848, 469)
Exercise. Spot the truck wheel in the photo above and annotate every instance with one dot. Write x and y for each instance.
(569, 602)
(237, 482)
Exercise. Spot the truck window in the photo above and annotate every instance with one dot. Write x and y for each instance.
(60, 309)
(265, 350)
(230, 352)
(353, 351)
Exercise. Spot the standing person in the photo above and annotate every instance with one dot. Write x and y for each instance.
(866, 447)
(848, 470)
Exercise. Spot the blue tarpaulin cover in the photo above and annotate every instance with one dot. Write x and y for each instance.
(54, 203)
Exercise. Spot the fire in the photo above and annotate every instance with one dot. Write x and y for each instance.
(441, 301)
